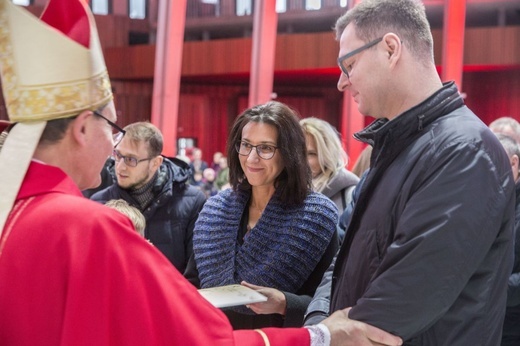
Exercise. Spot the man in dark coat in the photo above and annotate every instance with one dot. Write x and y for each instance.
(511, 331)
(158, 187)
(428, 250)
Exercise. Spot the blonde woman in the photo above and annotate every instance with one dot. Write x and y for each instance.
(327, 161)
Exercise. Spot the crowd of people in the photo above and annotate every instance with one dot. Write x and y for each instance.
(420, 246)
(209, 178)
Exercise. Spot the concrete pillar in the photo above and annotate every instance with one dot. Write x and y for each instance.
(168, 68)
(265, 23)
(453, 41)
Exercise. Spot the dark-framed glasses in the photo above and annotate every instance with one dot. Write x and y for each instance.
(342, 60)
(264, 151)
(117, 132)
(128, 160)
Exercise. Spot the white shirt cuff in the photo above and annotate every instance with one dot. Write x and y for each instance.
(320, 335)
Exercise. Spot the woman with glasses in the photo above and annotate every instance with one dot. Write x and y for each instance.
(270, 231)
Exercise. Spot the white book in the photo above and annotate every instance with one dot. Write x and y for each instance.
(231, 295)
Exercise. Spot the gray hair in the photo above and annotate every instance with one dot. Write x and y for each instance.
(507, 126)
(509, 144)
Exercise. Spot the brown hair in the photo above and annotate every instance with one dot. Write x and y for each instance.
(146, 132)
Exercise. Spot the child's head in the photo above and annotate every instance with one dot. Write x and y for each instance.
(197, 177)
(209, 174)
(133, 213)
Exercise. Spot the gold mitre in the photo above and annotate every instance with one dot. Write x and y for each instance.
(51, 68)
(46, 73)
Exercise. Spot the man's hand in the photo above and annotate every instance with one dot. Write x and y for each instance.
(347, 332)
(275, 303)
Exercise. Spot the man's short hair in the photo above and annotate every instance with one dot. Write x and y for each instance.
(508, 126)
(146, 132)
(510, 144)
(55, 129)
(406, 18)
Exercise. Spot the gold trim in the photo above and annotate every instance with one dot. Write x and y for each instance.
(15, 159)
(46, 102)
(17, 211)
(264, 337)
(33, 103)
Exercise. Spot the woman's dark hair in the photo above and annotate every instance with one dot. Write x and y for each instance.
(294, 182)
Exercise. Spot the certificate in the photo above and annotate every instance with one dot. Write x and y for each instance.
(231, 295)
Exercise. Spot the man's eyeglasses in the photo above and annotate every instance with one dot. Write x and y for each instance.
(128, 160)
(347, 68)
(264, 151)
(117, 132)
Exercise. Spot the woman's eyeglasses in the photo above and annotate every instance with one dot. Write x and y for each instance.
(264, 151)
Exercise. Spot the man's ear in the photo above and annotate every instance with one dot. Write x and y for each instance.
(81, 126)
(157, 161)
(515, 161)
(394, 47)
(515, 166)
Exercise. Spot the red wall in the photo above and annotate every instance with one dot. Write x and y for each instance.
(493, 94)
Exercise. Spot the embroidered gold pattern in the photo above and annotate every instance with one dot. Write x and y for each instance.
(46, 102)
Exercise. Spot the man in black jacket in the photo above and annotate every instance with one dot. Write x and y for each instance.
(158, 187)
(511, 331)
(428, 249)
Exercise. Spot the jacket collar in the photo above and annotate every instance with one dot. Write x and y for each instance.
(391, 137)
(415, 119)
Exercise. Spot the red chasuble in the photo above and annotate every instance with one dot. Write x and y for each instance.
(74, 272)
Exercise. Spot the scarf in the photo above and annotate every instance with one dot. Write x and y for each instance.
(281, 251)
(144, 195)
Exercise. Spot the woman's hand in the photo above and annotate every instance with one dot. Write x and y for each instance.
(275, 303)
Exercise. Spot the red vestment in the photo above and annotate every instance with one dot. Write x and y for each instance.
(74, 272)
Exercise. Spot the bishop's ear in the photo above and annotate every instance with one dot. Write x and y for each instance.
(81, 127)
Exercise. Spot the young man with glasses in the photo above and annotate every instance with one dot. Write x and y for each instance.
(159, 188)
(107, 174)
(428, 249)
